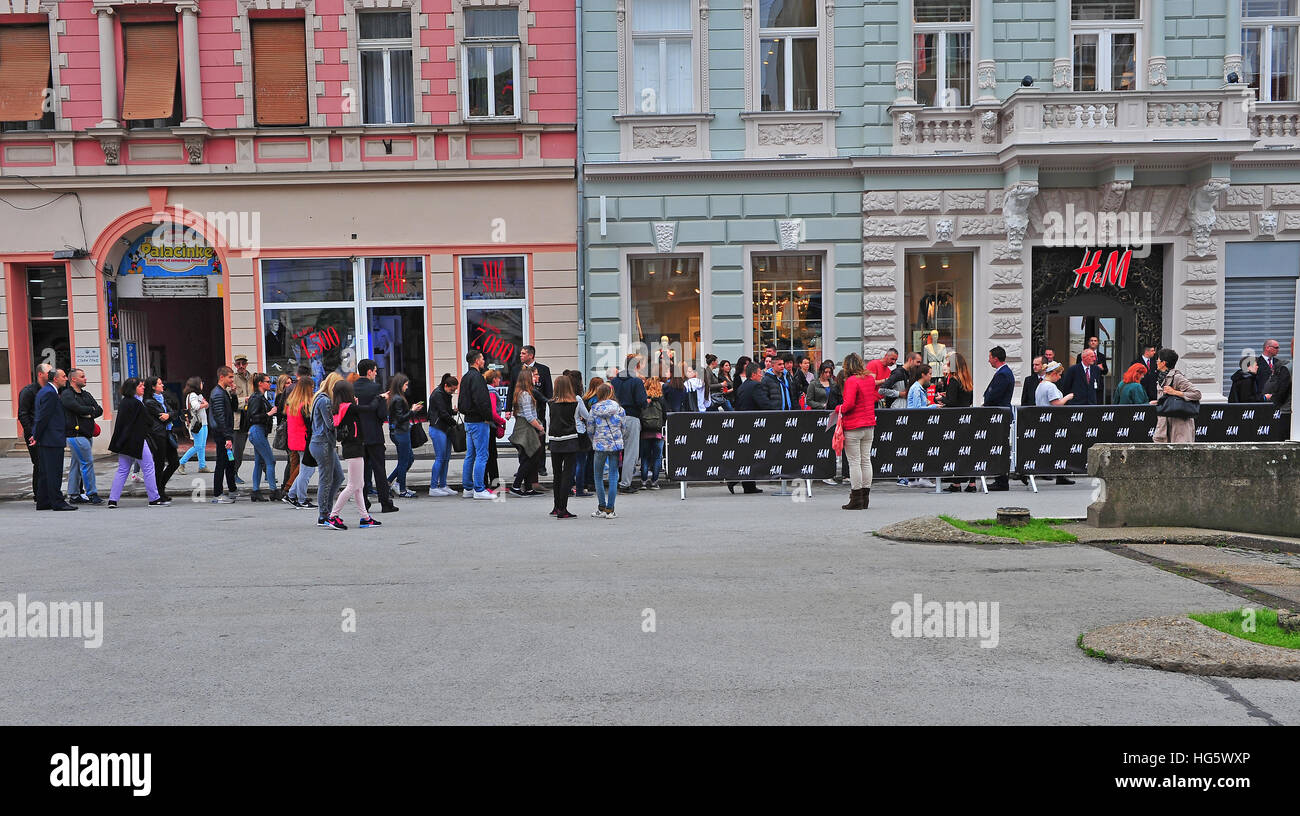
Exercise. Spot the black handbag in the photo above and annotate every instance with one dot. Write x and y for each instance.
(281, 441)
(418, 436)
(308, 459)
(1177, 407)
(457, 437)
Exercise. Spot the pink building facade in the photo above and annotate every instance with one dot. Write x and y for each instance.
(306, 183)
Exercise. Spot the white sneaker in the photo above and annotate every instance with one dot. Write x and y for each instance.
(181, 470)
(467, 493)
(597, 513)
(830, 482)
(610, 514)
(923, 483)
(442, 491)
(485, 495)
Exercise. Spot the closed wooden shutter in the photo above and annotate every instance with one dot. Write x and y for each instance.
(24, 72)
(151, 69)
(280, 72)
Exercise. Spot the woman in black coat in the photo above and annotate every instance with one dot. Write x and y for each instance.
(162, 439)
(130, 442)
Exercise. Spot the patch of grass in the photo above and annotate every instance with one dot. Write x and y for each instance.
(1035, 530)
(1266, 629)
(1090, 652)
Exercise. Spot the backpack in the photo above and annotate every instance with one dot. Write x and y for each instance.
(652, 416)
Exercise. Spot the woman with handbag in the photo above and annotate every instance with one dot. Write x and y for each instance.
(442, 420)
(297, 415)
(857, 416)
(527, 435)
(197, 409)
(399, 430)
(161, 438)
(1179, 401)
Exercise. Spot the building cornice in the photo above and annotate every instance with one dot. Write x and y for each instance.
(12, 183)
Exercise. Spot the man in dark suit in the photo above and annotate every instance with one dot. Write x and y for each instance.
(373, 405)
(49, 435)
(753, 396)
(1148, 359)
(1031, 383)
(1099, 384)
(27, 420)
(1081, 379)
(528, 357)
(998, 394)
(1268, 363)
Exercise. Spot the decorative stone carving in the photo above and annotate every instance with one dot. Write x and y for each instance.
(1245, 195)
(1231, 65)
(1202, 272)
(906, 128)
(1005, 252)
(895, 227)
(1156, 72)
(788, 233)
(1015, 349)
(921, 202)
(665, 236)
(1006, 326)
(904, 78)
(1007, 302)
(1200, 370)
(878, 327)
(1200, 348)
(791, 133)
(943, 230)
(981, 225)
(112, 147)
(878, 253)
(879, 201)
(1062, 73)
(987, 75)
(1008, 276)
(1202, 296)
(965, 200)
(878, 303)
(1286, 194)
(1202, 322)
(874, 352)
(1201, 212)
(1232, 222)
(1268, 223)
(988, 127)
(194, 147)
(1015, 212)
(1112, 195)
(664, 136)
(879, 279)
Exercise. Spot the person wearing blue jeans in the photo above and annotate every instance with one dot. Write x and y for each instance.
(81, 476)
(475, 404)
(261, 410)
(607, 418)
(651, 456)
(441, 460)
(400, 414)
(298, 490)
(80, 411)
(442, 418)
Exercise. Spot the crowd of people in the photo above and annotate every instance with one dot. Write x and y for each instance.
(604, 436)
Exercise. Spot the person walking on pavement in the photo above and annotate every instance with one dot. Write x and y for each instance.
(347, 423)
(261, 414)
(161, 437)
(221, 426)
(475, 403)
(130, 441)
(242, 385)
(49, 435)
(81, 410)
(372, 407)
(323, 447)
(197, 417)
(27, 421)
(297, 413)
(998, 395)
(400, 414)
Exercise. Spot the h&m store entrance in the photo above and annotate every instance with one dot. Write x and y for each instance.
(1105, 292)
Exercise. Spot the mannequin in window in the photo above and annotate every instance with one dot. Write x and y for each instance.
(934, 353)
(665, 359)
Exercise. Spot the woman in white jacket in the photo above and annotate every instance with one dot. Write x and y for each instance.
(697, 392)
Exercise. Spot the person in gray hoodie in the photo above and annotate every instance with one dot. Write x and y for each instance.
(323, 447)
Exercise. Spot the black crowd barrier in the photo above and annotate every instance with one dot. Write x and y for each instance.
(942, 442)
(1055, 441)
(748, 446)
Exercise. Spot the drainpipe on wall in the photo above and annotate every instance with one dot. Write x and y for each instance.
(582, 219)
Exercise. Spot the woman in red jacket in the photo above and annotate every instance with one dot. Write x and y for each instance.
(858, 415)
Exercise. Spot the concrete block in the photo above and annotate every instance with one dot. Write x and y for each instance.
(641, 207)
(1219, 486)
(726, 280)
(687, 206)
(724, 206)
(760, 205)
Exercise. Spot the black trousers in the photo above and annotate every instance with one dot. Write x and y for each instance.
(528, 467)
(491, 473)
(225, 468)
(377, 472)
(50, 492)
(35, 454)
(241, 441)
(562, 473)
(166, 453)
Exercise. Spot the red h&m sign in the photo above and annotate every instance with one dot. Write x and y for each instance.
(1091, 271)
(394, 277)
(494, 276)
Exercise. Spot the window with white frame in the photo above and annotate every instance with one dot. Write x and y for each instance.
(1106, 36)
(489, 57)
(1270, 41)
(788, 68)
(942, 52)
(387, 75)
(662, 62)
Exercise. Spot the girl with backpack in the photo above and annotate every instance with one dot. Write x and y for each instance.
(347, 429)
(653, 416)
